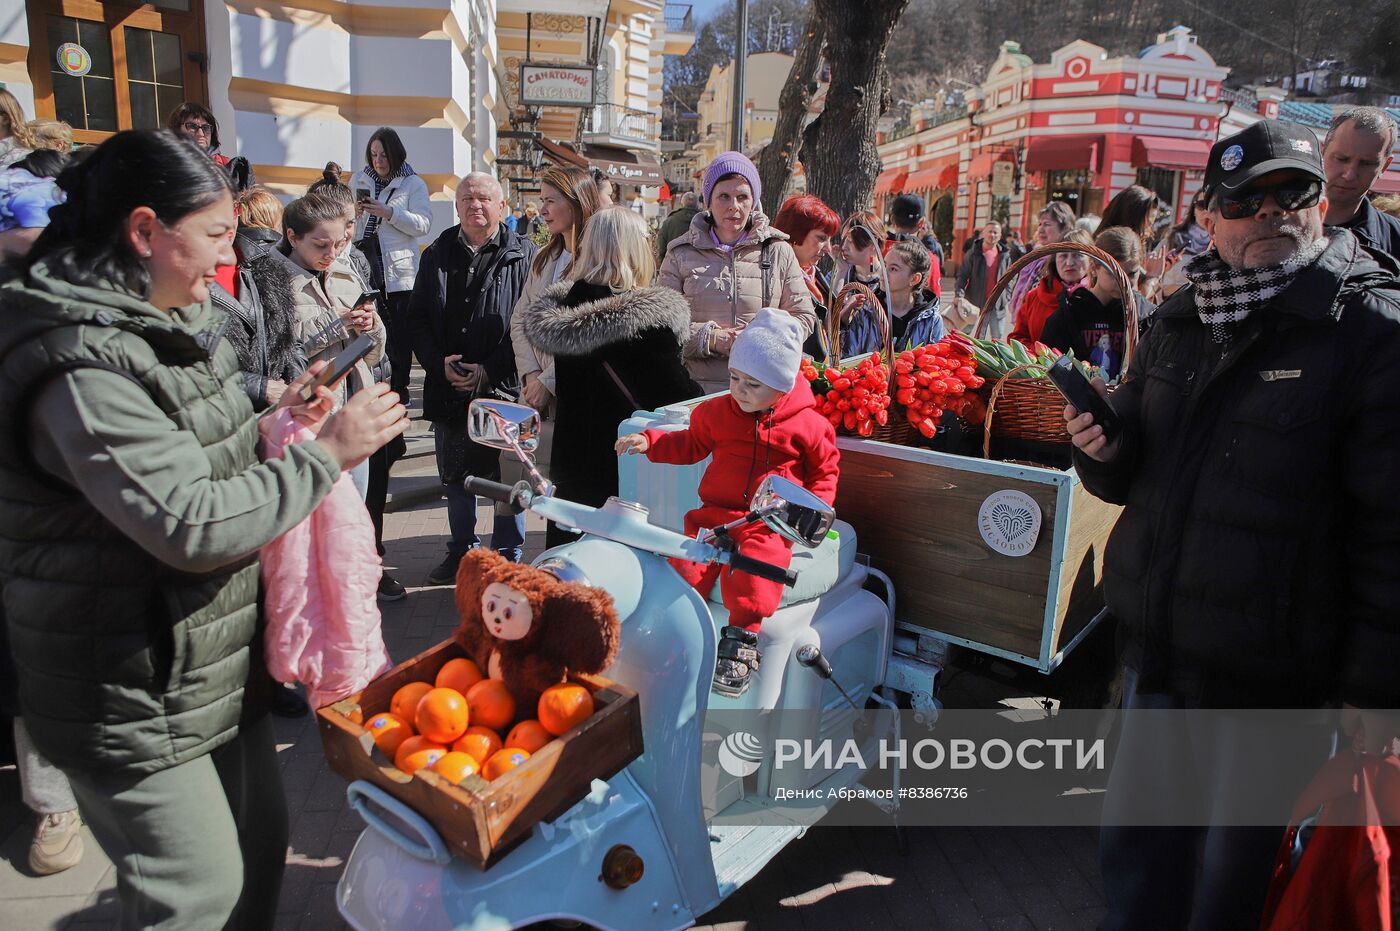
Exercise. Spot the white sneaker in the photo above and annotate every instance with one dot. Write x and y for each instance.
(57, 844)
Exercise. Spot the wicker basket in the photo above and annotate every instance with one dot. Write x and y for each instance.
(1032, 409)
(897, 429)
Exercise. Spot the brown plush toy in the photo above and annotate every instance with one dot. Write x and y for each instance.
(523, 625)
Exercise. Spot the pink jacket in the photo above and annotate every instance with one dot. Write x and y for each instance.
(320, 580)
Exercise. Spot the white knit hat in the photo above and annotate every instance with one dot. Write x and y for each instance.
(769, 349)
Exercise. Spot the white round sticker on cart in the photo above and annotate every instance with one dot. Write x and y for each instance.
(1010, 522)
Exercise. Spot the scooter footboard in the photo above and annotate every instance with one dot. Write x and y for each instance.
(555, 874)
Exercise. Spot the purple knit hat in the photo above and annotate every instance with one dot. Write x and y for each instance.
(732, 163)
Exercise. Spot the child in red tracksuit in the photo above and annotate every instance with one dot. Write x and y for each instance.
(767, 425)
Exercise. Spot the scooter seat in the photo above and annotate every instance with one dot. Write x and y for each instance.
(818, 570)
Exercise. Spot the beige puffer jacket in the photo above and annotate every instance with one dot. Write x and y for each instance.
(725, 289)
(317, 306)
(528, 359)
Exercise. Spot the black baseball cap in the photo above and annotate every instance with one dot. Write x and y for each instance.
(1268, 145)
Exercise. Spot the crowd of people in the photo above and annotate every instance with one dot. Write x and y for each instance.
(157, 301)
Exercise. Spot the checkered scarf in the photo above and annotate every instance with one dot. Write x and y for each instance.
(1225, 296)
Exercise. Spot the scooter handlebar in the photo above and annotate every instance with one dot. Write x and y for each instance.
(764, 570)
(517, 496)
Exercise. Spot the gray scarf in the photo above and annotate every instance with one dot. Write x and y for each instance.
(1225, 296)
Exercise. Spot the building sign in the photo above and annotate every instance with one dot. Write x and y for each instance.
(1003, 178)
(630, 172)
(73, 59)
(556, 85)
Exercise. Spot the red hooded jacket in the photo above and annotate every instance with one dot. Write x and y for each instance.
(790, 439)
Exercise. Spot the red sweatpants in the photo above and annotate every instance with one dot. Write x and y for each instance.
(748, 598)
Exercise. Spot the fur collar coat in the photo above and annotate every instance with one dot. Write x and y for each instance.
(614, 354)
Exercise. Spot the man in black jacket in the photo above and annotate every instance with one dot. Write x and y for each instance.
(1360, 145)
(1257, 561)
(459, 322)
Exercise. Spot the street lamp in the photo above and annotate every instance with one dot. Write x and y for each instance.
(741, 55)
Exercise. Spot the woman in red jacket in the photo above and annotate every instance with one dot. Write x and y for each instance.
(1062, 276)
(767, 425)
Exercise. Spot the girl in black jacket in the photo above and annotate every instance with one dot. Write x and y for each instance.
(1090, 321)
(617, 349)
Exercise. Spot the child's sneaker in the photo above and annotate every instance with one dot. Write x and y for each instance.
(738, 659)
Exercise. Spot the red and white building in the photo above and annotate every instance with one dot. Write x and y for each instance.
(1079, 128)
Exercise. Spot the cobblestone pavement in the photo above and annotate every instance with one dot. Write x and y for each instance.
(846, 878)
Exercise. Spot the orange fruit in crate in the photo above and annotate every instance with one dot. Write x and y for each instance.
(416, 752)
(564, 707)
(442, 715)
(491, 703)
(503, 761)
(479, 742)
(388, 730)
(455, 766)
(405, 700)
(528, 736)
(460, 674)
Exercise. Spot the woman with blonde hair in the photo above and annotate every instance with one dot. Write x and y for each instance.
(54, 135)
(616, 342)
(568, 198)
(16, 138)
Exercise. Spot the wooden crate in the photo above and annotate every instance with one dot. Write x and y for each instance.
(479, 820)
(916, 514)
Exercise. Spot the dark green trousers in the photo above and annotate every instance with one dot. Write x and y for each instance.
(199, 845)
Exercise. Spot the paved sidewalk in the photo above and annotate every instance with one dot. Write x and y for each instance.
(954, 878)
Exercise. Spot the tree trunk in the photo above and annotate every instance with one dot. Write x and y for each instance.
(779, 156)
(843, 163)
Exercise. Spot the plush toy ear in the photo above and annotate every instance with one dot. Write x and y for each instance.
(583, 628)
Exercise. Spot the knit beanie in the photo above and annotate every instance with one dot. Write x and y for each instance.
(732, 163)
(769, 349)
(25, 199)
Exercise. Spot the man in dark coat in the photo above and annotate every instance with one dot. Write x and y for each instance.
(978, 273)
(468, 282)
(677, 223)
(1359, 146)
(1257, 561)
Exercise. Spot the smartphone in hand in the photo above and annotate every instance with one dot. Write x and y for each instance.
(339, 367)
(1077, 390)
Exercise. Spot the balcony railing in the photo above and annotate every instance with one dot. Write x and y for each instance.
(680, 18)
(612, 119)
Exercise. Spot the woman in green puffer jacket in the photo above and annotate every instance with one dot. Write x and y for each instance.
(132, 510)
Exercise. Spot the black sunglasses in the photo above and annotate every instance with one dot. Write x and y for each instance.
(1290, 195)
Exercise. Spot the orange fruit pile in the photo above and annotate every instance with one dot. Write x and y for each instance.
(453, 725)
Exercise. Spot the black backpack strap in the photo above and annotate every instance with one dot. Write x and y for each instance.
(24, 407)
(765, 266)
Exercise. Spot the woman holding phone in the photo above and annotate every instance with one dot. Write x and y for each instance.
(330, 304)
(133, 506)
(395, 216)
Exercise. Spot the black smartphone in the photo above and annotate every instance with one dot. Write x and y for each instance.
(339, 367)
(366, 298)
(1079, 392)
(460, 367)
(361, 195)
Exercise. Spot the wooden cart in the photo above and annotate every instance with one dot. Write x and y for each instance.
(920, 516)
(479, 820)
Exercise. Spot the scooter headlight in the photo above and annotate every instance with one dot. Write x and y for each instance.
(622, 867)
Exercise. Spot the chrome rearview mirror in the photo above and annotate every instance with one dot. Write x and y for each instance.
(792, 511)
(503, 425)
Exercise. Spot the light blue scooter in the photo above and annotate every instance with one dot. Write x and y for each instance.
(667, 839)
